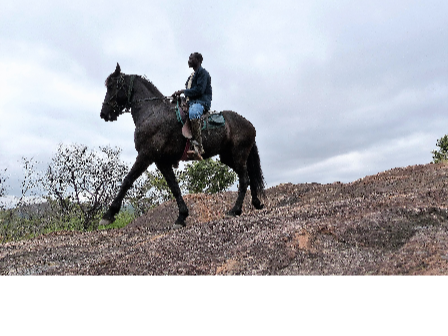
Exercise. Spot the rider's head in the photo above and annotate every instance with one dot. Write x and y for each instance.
(195, 60)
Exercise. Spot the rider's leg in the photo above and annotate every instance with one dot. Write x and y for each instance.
(195, 112)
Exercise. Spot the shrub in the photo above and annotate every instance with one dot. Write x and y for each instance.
(208, 176)
(83, 182)
(3, 179)
(3, 187)
(79, 184)
(441, 155)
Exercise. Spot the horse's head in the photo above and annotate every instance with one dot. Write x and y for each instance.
(116, 96)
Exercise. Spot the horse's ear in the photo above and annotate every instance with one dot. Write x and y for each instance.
(117, 70)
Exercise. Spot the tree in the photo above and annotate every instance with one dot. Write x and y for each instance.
(79, 183)
(3, 186)
(83, 182)
(208, 176)
(441, 155)
(26, 218)
(71, 193)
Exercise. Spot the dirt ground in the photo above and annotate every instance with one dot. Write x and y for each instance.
(392, 223)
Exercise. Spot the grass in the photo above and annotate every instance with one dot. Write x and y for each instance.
(13, 228)
(121, 220)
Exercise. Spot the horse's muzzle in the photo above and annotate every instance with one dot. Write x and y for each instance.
(105, 114)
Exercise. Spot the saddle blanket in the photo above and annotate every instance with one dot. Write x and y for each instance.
(211, 120)
(214, 120)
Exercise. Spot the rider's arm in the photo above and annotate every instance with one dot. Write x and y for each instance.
(198, 89)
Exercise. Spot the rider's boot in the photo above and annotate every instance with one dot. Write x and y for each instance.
(198, 150)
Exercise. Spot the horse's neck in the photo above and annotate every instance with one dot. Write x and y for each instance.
(144, 109)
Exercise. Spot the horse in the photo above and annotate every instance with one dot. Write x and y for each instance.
(158, 139)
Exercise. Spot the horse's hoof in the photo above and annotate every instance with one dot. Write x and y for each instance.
(178, 226)
(105, 222)
(233, 213)
(180, 223)
(258, 206)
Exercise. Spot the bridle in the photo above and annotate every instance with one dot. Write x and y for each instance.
(112, 102)
(126, 107)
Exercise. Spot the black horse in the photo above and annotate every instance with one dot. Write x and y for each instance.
(158, 139)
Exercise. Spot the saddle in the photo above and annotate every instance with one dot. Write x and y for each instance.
(210, 121)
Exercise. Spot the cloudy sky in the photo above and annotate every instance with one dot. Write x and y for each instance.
(337, 90)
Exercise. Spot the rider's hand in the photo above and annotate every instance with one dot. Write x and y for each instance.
(178, 92)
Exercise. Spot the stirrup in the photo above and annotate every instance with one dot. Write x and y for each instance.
(196, 152)
(194, 155)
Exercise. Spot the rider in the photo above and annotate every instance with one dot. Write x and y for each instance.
(199, 97)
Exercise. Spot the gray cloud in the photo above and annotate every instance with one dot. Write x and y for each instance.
(336, 90)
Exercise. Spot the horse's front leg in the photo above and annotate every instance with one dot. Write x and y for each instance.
(168, 174)
(140, 165)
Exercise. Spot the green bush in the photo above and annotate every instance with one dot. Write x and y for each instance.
(3, 183)
(208, 176)
(441, 155)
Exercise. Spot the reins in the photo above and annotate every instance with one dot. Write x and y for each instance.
(152, 99)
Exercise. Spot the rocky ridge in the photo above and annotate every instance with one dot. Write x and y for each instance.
(394, 222)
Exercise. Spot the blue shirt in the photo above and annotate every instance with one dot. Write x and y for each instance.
(201, 88)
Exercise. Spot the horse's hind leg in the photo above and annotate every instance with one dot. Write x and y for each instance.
(257, 182)
(168, 174)
(243, 179)
(255, 200)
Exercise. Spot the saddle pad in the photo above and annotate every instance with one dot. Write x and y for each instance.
(215, 120)
(211, 120)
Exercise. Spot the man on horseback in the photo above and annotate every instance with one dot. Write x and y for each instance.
(198, 90)
(158, 140)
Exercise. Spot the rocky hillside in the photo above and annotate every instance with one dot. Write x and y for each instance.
(394, 222)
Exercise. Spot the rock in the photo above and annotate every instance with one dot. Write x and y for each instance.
(394, 222)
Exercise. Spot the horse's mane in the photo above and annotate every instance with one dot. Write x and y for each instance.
(150, 86)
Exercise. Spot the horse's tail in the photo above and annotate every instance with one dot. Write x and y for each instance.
(257, 182)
